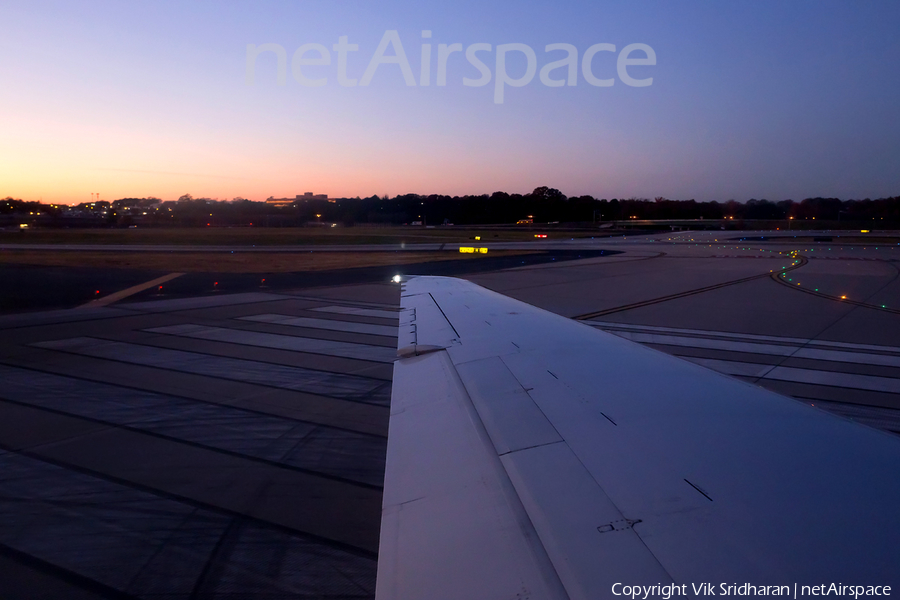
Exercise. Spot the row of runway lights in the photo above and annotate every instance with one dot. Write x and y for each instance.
(790, 279)
(792, 254)
(843, 297)
(725, 247)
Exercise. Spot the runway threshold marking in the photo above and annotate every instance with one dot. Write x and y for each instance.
(120, 295)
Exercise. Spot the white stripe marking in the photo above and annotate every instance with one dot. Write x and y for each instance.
(796, 375)
(281, 342)
(671, 340)
(730, 367)
(741, 336)
(122, 294)
(361, 312)
(864, 358)
(850, 357)
(386, 330)
(831, 378)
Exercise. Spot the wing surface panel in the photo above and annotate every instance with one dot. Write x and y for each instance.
(512, 419)
(632, 465)
(452, 527)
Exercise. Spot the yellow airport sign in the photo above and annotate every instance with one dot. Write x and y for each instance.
(471, 250)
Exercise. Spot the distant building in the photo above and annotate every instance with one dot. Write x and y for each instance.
(296, 199)
(311, 196)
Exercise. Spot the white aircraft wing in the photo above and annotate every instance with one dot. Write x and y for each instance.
(532, 456)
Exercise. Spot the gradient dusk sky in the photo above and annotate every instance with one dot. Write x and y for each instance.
(750, 99)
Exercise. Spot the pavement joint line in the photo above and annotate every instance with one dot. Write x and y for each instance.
(601, 313)
(193, 501)
(122, 294)
(136, 388)
(357, 400)
(236, 341)
(135, 429)
(73, 578)
(153, 342)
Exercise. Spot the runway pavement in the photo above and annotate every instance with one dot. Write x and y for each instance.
(228, 445)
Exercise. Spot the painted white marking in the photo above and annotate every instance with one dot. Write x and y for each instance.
(768, 349)
(122, 294)
(691, 342)
(797, 375)
(608, 326)
(832, 378)
(873, 416)
(731, 367)
(281, 342)
(851, 357)
(387, 330)
(605, 325)
(360, 312)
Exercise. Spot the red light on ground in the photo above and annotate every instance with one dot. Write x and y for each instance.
(96, 292)
(540, 235)
(160, 288)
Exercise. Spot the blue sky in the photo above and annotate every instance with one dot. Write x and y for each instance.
(759, 99)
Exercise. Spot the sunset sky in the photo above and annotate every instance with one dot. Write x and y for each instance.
(749, 99)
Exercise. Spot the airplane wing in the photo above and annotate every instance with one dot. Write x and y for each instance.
(532, 456)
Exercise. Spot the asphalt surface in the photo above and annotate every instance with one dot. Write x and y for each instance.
(30, 287)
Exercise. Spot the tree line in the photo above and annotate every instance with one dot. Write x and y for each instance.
(542, 205)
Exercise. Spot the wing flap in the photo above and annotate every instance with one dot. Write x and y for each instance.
(452, 525)
(511, 418)
(591, 544)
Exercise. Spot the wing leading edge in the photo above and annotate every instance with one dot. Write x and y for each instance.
(531, 456)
